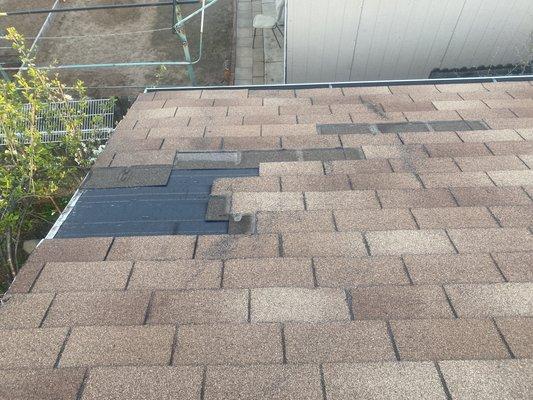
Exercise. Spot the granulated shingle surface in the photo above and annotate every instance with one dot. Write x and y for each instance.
(405, 274)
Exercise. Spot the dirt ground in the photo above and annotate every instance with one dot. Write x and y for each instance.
(27, 25)
(152, 46)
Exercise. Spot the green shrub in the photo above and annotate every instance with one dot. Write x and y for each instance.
(36, 177)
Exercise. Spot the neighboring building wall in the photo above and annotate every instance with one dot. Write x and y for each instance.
(346, 40)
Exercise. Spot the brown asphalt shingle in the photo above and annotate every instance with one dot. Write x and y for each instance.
(405, 274)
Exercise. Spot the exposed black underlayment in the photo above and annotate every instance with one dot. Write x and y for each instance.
(179, 208)
(123, 177)
(252, 159)
(400, 127)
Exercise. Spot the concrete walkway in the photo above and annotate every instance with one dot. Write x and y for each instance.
(263, 62)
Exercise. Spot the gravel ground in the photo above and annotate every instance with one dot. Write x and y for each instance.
(154, 46)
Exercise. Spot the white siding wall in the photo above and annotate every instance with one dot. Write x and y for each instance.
(343, 40)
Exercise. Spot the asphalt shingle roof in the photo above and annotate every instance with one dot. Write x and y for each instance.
(377, 265)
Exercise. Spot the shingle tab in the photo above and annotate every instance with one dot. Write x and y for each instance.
(410, 198)
(388, 380)
(448, 339)
(409, 242)
(374, 220)
(400, 302)
(483, 379)
(490, 196)
(83, 276)
(518, 333)
(24, 310)
(452, 268)
(262, 382)
(35, 348)
(198, 306)
(79, 249)
(295, 221)
(179, 274)
(98, 308)
(152, 248)
(41, 384)
(268, 272)
(338, 342)
(501, 299)
(228, 344)
(126, 345)
(355, 199)
(144, 383)
(251, 202)
(222, 247)
(517, 267)
(454, 217)
(323, 244)
(298, 304)
(350, 272)
(491, 239)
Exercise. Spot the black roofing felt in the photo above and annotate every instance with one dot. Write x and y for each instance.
(179, 208)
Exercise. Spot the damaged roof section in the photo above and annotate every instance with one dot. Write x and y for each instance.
(177, 207)
(383, 263)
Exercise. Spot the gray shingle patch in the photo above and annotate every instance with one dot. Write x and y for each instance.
(323, 154)
(355, 153)
(252, 158)
(344, 129)
(124, 177)
(207, 160)
(399, 127)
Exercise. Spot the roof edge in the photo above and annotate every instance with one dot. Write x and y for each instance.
(400, 82)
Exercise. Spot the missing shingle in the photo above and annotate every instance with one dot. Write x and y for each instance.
(183, 207)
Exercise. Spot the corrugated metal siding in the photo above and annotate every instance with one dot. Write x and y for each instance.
(341, 40)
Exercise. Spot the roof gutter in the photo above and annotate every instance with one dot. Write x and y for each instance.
(400, 82)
